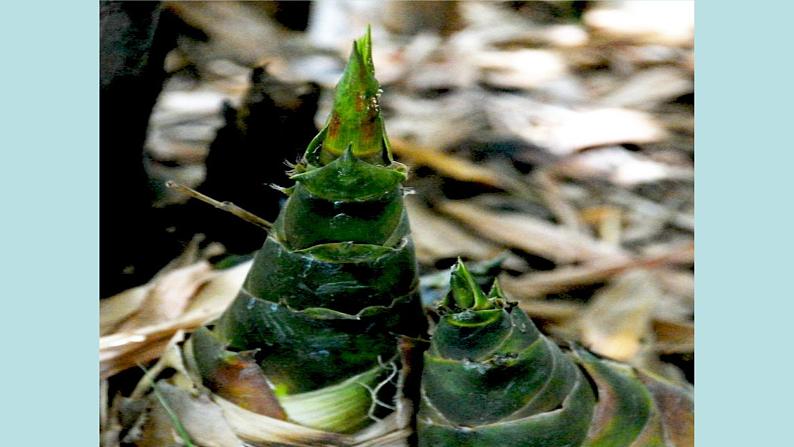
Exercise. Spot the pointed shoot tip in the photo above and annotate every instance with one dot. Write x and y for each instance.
(464, 290)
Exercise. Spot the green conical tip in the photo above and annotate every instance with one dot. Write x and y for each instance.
(464, 292)
(355, 119)
(496, 291)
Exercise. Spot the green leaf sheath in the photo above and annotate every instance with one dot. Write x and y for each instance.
(492, 379)
(335, 282)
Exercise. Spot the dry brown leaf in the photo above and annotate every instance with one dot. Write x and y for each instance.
(220, 290)
(538, 284)
(649, 88)
(647, 209)
(202, 419)
(677, 282)
(118, 308)
(154, 428)
(674, 337)
(236, 29)
(514, 28)
(524, 68)
(564, 211)
(679, 251)
(669, 23)
(674, 308)
(422, 16)
(563, 131)
(134, 353)
(618, 317)
(170, 358)
(620, 166)
(437, 122)
(452, 166)
(556, 311)
(437, 238)
(168, 296)
(530, 234)
(123, 349)
(608, 221)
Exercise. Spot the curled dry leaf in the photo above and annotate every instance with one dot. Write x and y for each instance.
(258, 429)
(168, 297)
(146, 338)
(115, 310)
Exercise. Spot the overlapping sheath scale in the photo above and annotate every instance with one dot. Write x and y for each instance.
(334, 283)
(492, 379)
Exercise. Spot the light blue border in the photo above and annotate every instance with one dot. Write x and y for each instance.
(49, 77)
(49, 232)
(744, 199)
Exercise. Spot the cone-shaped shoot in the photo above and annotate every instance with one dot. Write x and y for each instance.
(355, 119)
(491, 378)
(334, 284)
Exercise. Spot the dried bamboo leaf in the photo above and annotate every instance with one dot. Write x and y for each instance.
(531, 234)
(557, 311)
(236, 29)
(124, 349)
(621, 167)
(673, 337)
(169, 296)
(524, 68)
(438, 238)
(563, 131)
(115, 310)
(439, 122)
(259, 429)
(657, 22)
(556, 201)
(202, 419)
(533, 285)
(677, 282)
(452, 166)
(649, 88)
(618, 317)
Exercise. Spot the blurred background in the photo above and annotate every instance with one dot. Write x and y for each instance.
(557, 135)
